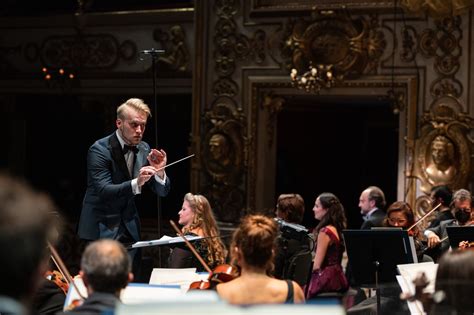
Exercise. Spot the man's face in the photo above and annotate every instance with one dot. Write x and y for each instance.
(365, 204)
(439, 153)
(132, 127)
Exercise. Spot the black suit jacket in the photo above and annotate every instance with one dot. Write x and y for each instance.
(375, 219)
(109, 199)
(97, 303)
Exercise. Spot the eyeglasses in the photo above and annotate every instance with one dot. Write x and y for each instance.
(463, 209)
(394, 221)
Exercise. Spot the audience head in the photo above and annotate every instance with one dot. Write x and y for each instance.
(455, 277)
(399, 214)
(372, 197)
(441, 194)
(105, 267)
(290, 207)
(461, 206)
(254, 243)
(329, 211)
(25, 228)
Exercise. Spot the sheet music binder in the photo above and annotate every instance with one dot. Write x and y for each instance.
(165, 240)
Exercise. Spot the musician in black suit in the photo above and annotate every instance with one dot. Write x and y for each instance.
(105, 271)
(118, 167)
(371, 204)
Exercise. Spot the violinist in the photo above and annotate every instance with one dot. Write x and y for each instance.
(105, 270)
(400, 214)
(197, 219)
(461, 209)
(252, 249)
(441, 195)
(25, 228)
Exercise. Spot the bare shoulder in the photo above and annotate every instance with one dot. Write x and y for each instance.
(298, 293)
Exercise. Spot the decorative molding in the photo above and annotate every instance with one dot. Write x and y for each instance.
(343, 46)
(443, 151)
(223, 150)
(176, 57)
(444, 44)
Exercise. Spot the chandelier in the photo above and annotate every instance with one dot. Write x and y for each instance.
(316, 78)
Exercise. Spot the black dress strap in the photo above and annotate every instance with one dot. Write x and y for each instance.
(290, 299)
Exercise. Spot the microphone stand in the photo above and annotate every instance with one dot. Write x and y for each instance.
(154, 53)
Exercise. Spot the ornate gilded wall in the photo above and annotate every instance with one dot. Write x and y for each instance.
(423, 65)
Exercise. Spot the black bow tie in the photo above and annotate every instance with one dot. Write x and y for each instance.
(132, 148)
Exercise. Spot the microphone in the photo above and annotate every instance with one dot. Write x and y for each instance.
(152, 51)
(294, 226)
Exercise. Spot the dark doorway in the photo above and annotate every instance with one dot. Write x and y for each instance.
(336, 144)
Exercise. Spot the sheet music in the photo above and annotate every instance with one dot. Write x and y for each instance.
(408, 273)
(165, 240)
(134, 293)
(415, 307)
(179, 276)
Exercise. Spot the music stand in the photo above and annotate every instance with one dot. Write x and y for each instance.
(374, 255)
(457, 234)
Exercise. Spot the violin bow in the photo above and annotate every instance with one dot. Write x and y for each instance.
(191, 247)
(423, 217)
(63, 269)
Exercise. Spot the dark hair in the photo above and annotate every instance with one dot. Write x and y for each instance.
(376, 194)
(25, 228)
(444, 193)
(255, 239)
(292, 206)
(404, 208)
(106, 265)
(335, 213)
(455, 277)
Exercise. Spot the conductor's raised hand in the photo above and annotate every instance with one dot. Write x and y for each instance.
(146, 172)
(157, 159)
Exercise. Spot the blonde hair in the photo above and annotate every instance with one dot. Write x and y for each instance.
(204, 219)
(135, 103)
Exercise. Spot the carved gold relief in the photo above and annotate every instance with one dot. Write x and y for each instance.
(443, 150)
(176, 56)
(273, 105)
(444, 45)
(223, 151)
(332, 39)
(85, 51)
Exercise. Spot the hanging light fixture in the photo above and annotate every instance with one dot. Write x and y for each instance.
(316, 78)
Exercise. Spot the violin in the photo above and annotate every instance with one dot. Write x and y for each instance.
(466, 245)
(222, 273)
(64, 279)
(58, 279)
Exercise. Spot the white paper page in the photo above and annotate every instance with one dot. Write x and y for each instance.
(137, 293)
(177, 276)
(410, 271)
(415, 307)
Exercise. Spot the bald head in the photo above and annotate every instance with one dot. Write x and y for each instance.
(105, 266)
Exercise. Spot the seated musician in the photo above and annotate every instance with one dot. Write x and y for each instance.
(437, 236)
(294, 244)
(252, 249)
(105, 270)
(197, 219)
(400, 214)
